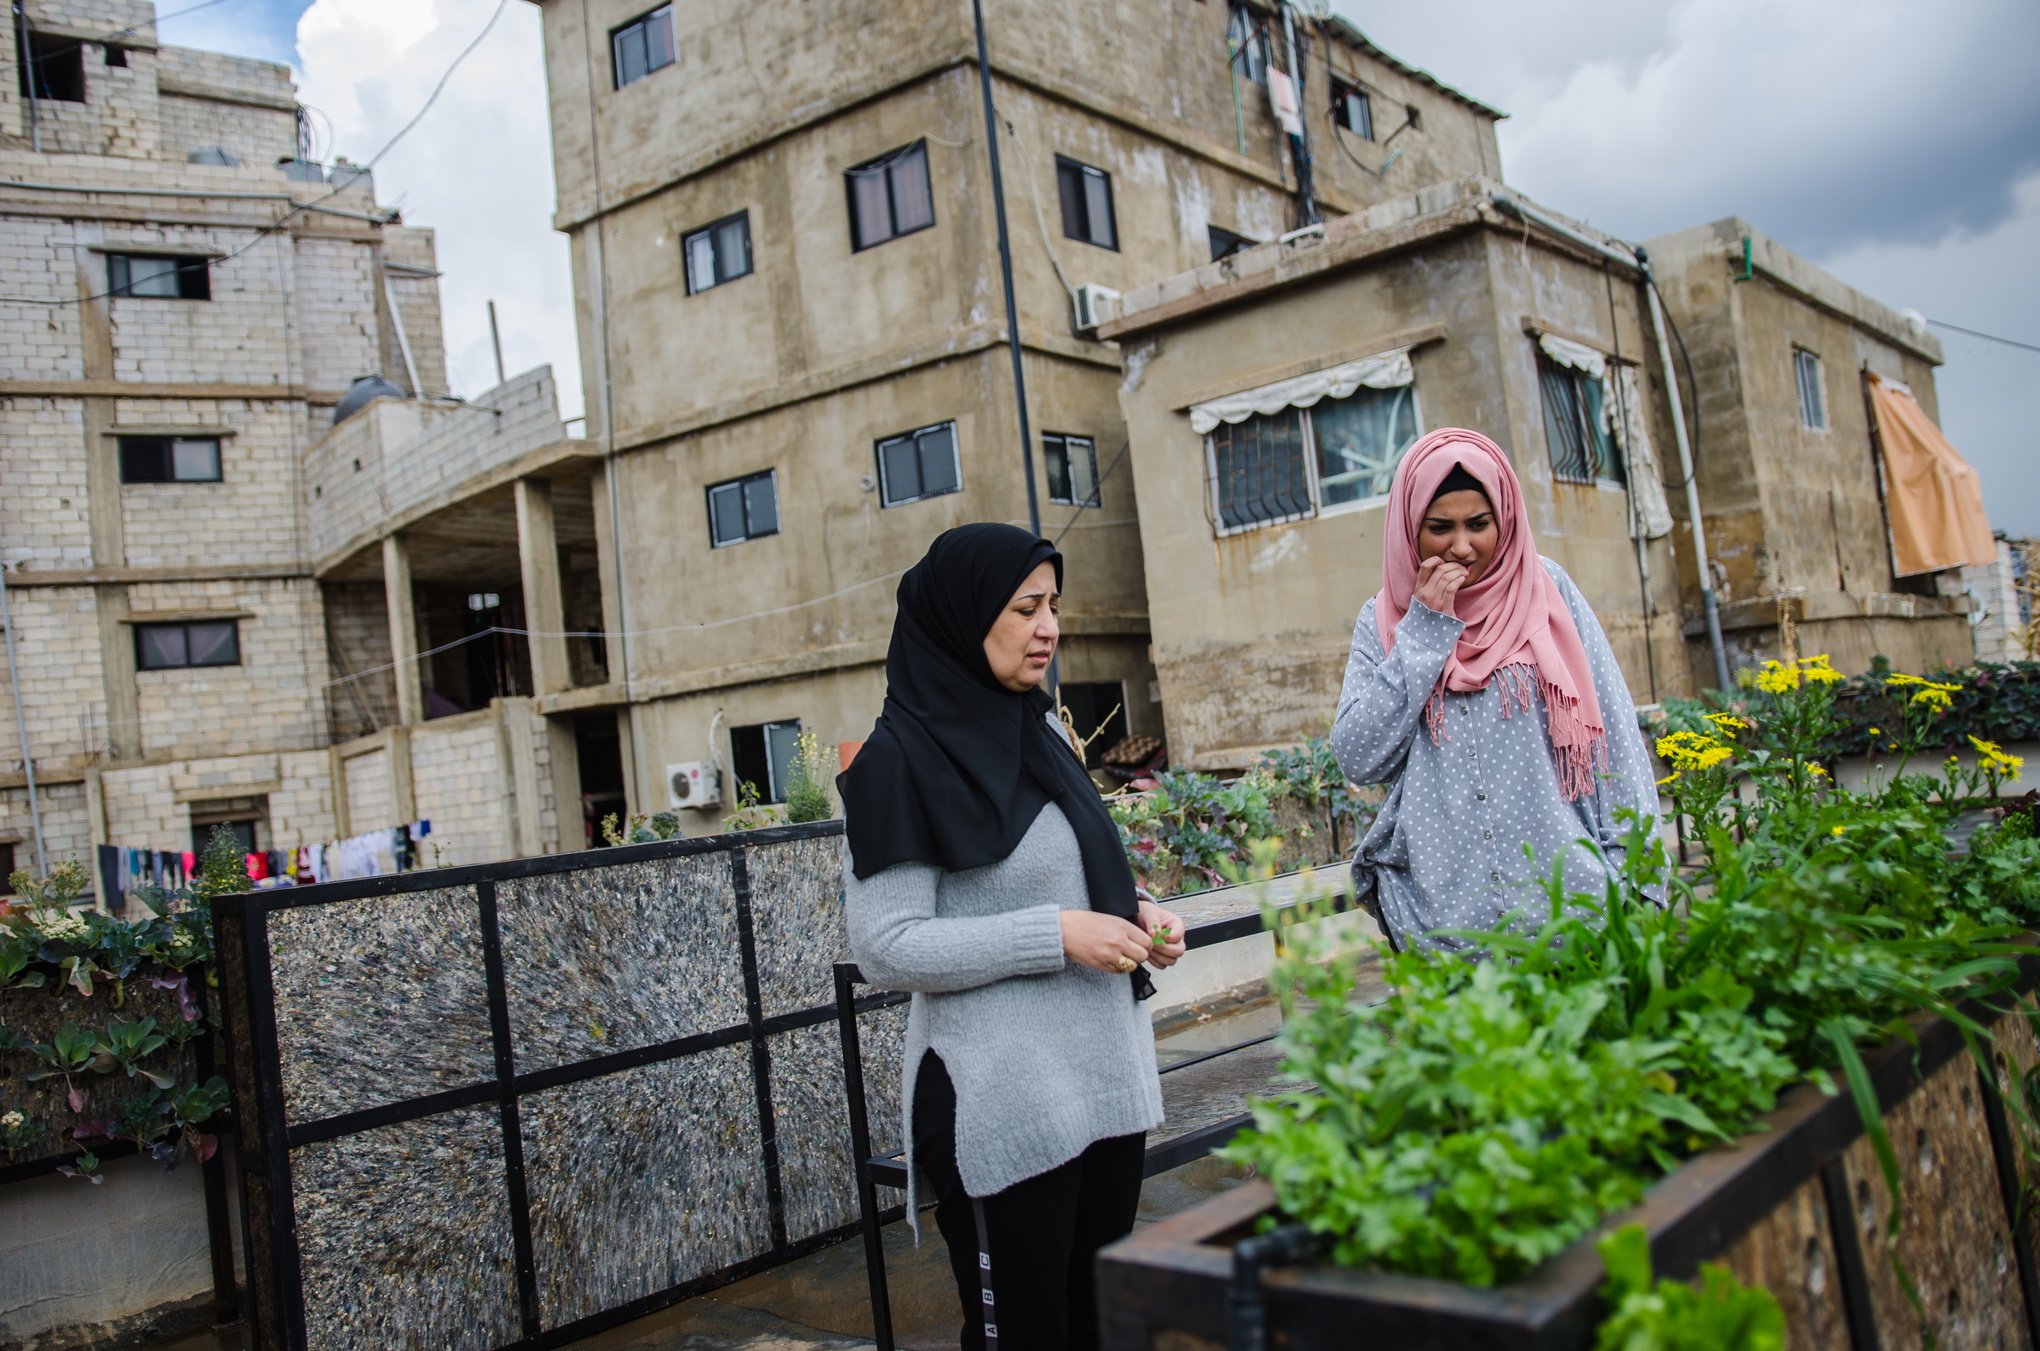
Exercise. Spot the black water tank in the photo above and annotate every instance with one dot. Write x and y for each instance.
(365, 390)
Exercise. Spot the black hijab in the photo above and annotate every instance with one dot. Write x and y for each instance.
(958, 766)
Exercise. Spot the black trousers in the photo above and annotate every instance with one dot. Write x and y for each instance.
(1041, 1236)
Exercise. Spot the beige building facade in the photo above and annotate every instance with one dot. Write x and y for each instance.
(1467, 305)
(804, 294)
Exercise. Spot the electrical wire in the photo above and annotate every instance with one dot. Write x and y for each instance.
(115, 37)
(264, 232)
(1989, 337)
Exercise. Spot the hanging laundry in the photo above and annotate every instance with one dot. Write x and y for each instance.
(111, 893)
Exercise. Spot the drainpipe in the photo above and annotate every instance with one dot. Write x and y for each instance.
(28, 68)
(1299, 145)
(42, 862)
(1708, 602)
(1640, 261)
(977, 10)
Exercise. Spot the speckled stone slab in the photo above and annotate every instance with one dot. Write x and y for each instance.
(609, 959)
(404, 1234)
(812, 1115)
(643, 1179)
(379, 1000)
(797, 921)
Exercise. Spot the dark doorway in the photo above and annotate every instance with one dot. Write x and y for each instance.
(1098, 712)
(599, 749)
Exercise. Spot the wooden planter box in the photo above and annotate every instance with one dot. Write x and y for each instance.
(1798, 1207)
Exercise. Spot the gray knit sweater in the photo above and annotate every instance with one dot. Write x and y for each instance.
(1047, 1056)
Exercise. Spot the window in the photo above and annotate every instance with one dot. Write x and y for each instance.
(1812, 392)
(1072, 463)
(1360, 440)
(116, 56)
(1575, 425)
(158, 276)
(1259, 469)
(762, 755)
(917, 465)
(1086, 203)
(718, 253)
(164, 647)
(643, 46)
(1295, 463)
(744, 508)
(1224, 243)
(246, 819)
(1246, 37)
(169, 459)
(59, 66)
(890, 197)
(1351, 110)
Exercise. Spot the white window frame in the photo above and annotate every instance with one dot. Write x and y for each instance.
(885, 499)
(1317, 508)
(1803, 357)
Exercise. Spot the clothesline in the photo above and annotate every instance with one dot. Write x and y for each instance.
(123, 870)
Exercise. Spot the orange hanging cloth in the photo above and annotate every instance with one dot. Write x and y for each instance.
(1933, 497)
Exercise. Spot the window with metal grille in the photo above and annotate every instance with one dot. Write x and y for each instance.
(1351, 110)
(1812, 390)
(1246, 38)
(1259, 472)
(1086, 203)
(1575, 426)
(890, 196)
(163, 647)
(1072, 463)
(642, 46)
(169, 459)
(159, 276)
(744, 508)
(762, 756)
(917, 465)
(1360, 439)
(718, 253)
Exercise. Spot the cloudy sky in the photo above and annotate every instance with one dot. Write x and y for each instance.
(1895, 142)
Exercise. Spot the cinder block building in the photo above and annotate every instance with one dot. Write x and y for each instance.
(185, 302)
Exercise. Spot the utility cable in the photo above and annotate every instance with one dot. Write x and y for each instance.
(1041, 220)
(115, 37)
(265, 231)
(1082, 507)
(1989, 337)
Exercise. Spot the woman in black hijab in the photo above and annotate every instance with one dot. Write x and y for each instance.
(985, 875)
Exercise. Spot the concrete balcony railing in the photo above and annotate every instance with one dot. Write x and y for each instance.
(399, 454)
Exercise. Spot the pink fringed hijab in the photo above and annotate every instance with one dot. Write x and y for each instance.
(1518, 629)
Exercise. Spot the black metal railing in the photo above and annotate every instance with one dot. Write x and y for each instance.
(510, 1105)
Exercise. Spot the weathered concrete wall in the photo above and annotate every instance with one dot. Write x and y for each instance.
(1794, 510)
(1251, 630)
(85, 1265)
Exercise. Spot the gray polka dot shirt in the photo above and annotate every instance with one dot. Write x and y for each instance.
(1447, 850)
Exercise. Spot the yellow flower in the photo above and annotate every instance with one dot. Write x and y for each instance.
(1729, 723)
(1818, 771)
(1777, 677)
(1931, 693)
(1838, 830)
(1819, 670)
(1673, 777)
(1877, 731)
(1692, 751)
(1993, 760)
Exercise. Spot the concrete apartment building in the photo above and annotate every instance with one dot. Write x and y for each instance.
(792, 326)
(1466, 305)
(182, 314)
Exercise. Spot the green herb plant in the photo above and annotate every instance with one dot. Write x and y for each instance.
(1722, 1315)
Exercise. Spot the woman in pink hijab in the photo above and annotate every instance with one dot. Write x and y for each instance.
(1482, 691)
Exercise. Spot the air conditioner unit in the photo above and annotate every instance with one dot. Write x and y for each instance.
(1095, 305)
(693, 783)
